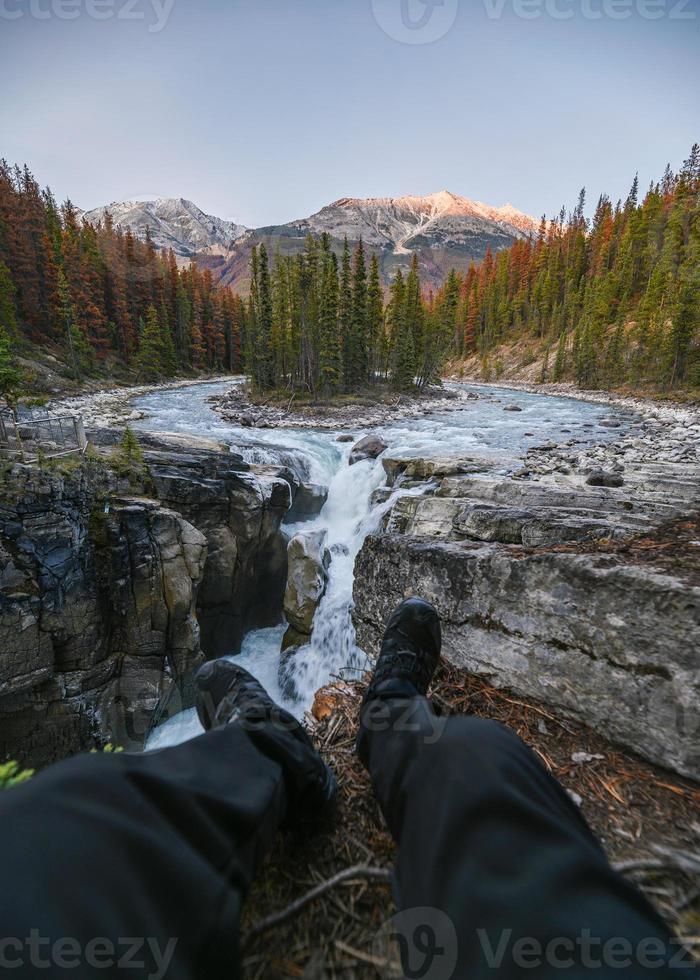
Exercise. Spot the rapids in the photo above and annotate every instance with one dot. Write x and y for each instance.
(482, 426)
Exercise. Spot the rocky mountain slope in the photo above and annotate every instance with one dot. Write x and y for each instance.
(173, 223)
(443, 229)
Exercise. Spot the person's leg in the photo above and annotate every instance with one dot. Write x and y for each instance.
(491, 840)
(137, 865)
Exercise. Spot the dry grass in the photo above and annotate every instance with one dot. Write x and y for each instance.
(647, 818)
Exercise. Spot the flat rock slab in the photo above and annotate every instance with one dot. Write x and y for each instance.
(612, 644)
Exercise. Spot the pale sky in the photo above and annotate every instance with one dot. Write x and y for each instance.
(262, 111)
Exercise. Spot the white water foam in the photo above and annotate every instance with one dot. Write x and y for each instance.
(348, 515)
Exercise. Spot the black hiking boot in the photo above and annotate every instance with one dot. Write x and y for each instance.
(226, 694)
(410, 650)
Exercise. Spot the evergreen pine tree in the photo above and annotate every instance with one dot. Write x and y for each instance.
(403, 353)
(345, 313)
(78, 347)
(356, 364)
(10, 375)
(684, 327)
(560, 361)
(330, 354)
(375, 319)
(149, 356)
(8, 313)
(614, 356)
(414, 321)
(169, 357)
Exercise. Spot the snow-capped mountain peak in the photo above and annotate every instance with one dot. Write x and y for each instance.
(403, 222)
(173, 222)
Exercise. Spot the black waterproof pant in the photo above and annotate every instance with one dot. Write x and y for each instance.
(137, 865)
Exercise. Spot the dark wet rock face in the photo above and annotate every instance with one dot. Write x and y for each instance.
(307, 502)
(240, 513)
(368, 448)
(97, 612)
(112, 589)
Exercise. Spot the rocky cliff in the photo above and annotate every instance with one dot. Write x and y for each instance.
(115, 581)
(556, 582)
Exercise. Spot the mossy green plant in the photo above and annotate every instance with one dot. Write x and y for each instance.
(12, 775)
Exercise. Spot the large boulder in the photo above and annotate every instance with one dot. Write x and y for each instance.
(424, 468)
(536, 595)
(601, 478)
(308, 561)
(307, 503)
(368, 448)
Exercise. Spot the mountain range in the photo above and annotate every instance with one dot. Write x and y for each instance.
(443, 229)
(173, 223)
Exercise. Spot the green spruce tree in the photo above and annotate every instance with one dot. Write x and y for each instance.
(330, 354)
(10, 375)
(148, 360)
(375, 319)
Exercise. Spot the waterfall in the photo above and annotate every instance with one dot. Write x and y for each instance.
(349, 516)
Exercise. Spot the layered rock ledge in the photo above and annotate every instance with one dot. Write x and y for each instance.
(583, 596)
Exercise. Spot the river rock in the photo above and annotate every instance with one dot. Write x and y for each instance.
(512, 408)
(401, 468)
(308, 502)
(345, 437)
(601, 478)
(308, 562)
(368, 448)
(536, 528)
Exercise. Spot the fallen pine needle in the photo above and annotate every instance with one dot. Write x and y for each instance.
(358, 871)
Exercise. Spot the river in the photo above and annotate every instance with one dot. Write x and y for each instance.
(482, 425)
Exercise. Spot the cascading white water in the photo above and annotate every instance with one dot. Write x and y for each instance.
(348, 515)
